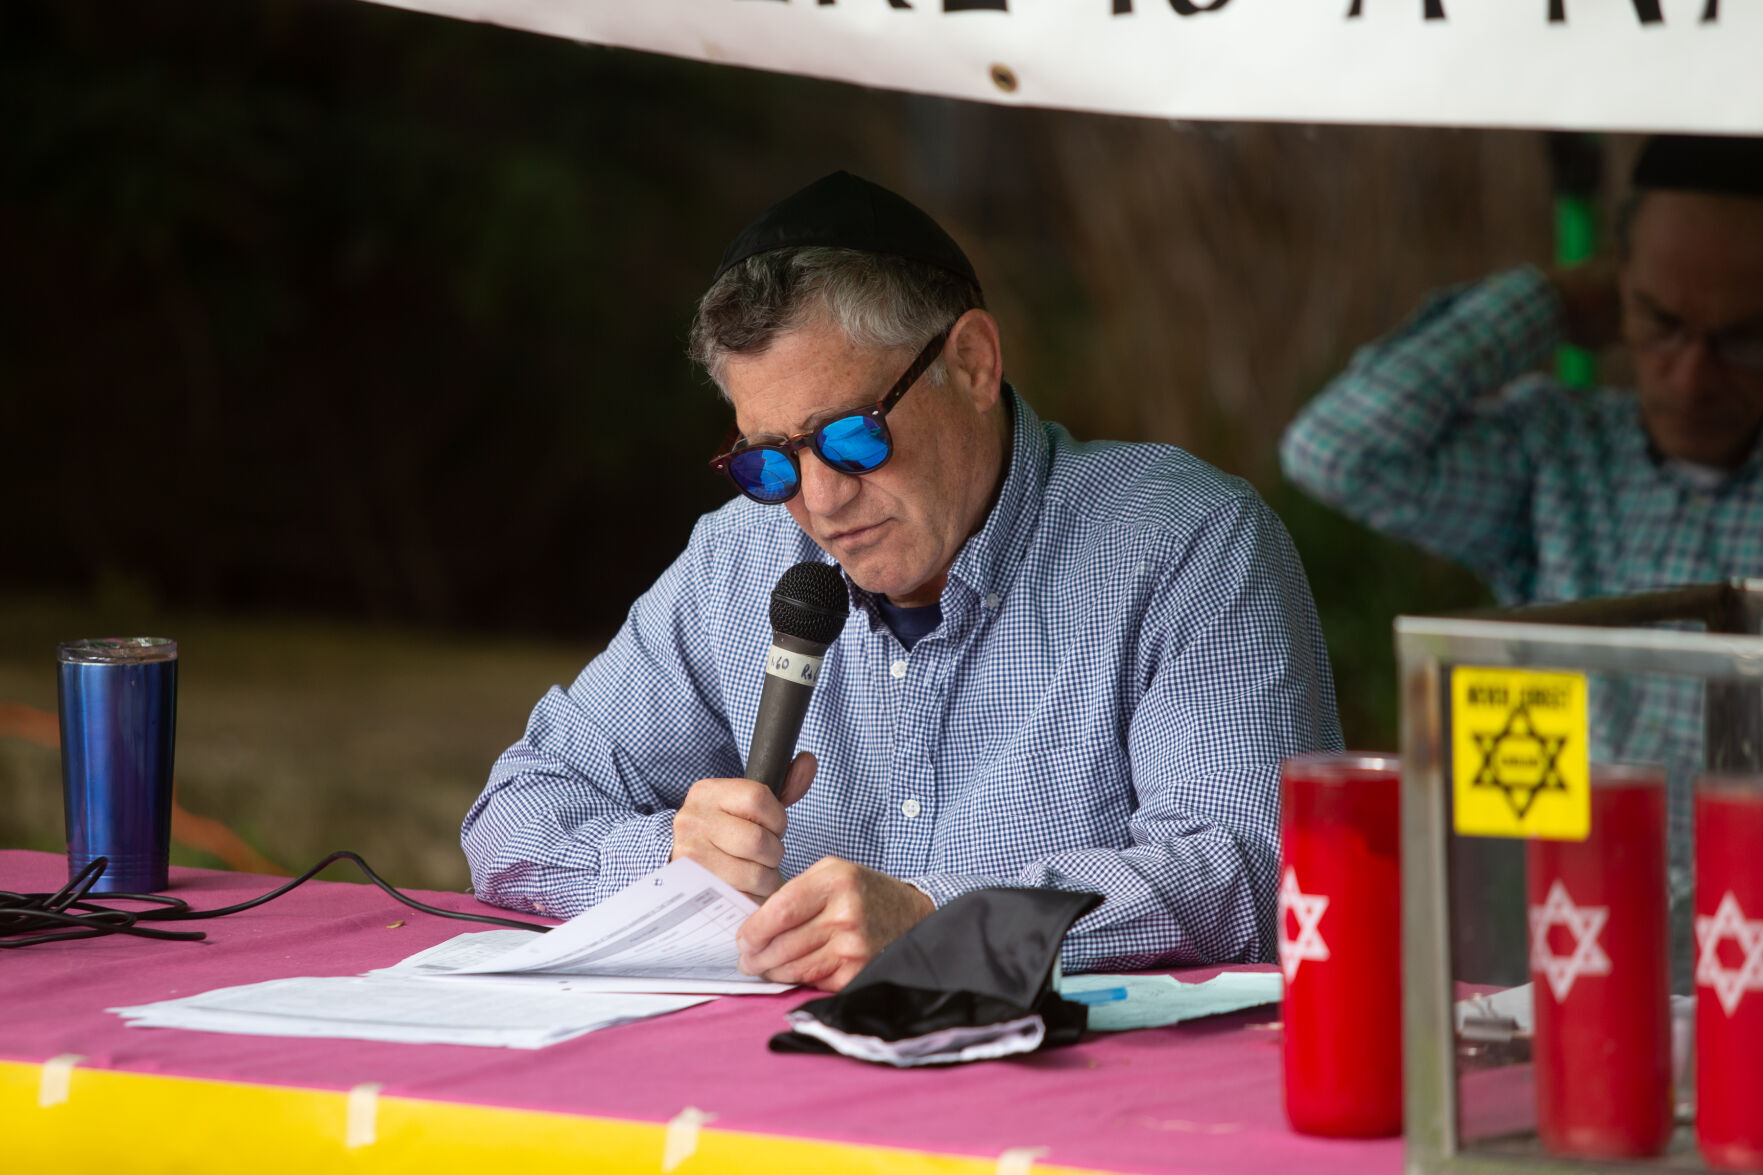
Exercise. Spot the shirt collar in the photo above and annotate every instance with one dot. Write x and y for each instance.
(988, 561)
(1702, 477)
(1693, 478)
(1753, 465)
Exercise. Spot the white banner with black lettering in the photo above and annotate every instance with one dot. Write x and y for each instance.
(1575, 64)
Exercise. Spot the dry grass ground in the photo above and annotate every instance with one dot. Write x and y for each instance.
(303, 737)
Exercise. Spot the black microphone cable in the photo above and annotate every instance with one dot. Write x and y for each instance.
(67, 914)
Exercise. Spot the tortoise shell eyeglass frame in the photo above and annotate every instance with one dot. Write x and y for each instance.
(854, 443)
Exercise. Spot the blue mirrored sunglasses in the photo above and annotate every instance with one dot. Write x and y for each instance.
(856, 443)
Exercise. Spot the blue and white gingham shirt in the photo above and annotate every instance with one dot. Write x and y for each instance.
(1128, 649)
(1546, 492)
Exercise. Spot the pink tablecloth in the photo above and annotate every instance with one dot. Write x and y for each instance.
(1200, 1097)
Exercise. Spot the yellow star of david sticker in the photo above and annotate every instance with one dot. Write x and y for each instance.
(1519, 761)
(1518, 735)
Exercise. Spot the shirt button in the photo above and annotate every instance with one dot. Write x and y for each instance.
(898, 669)
(909, 809)
(993, 600)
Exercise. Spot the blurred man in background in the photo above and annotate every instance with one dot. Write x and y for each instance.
(1446, 435)
(1068, 665)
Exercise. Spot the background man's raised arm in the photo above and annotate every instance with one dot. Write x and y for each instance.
(1404, 441)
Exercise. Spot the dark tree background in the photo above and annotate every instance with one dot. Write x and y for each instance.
(333, 310)
(337, 308)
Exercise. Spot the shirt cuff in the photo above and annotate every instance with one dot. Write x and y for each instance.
(632, 848)
(943, 888)
(642, 845)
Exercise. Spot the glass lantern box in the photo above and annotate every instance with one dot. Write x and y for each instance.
(1582, 877)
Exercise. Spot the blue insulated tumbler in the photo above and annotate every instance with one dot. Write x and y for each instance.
(119, 698)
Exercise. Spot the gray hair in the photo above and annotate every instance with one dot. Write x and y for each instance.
(880, 301)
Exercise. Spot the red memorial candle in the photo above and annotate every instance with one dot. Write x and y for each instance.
(1599, 963)
(1729, 972)
(1340, 944)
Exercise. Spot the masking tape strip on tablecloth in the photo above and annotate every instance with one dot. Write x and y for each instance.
(55, 1081)
(119, 1121)
(361, 1115)
(681, 1141)
(1019, 1160)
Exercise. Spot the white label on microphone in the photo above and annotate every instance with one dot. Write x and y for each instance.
(801, 668)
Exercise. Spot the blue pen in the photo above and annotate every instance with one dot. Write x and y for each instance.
(1101, 995)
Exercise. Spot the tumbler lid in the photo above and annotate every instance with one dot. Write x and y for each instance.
(117, 650)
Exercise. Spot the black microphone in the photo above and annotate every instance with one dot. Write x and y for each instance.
(808, 610)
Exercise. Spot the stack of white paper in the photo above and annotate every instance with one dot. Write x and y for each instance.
(665, 942)
(671, 931)
(408, 1010)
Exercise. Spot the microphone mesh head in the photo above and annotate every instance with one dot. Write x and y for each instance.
(810, 603)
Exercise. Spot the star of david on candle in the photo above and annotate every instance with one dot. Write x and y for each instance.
(1729, 983)
(1308, 910)
(1585, 923)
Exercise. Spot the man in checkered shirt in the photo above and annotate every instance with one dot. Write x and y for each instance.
(1066, 664)
(1444, 435)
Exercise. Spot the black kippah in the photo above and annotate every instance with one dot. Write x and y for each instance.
(841, 211)
(1718, 164)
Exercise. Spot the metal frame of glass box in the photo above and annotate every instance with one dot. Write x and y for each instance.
(1594, 635)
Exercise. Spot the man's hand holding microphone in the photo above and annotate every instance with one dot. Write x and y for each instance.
(821, 927)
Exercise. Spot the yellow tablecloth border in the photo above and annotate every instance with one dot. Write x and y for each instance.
(144, 1124)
